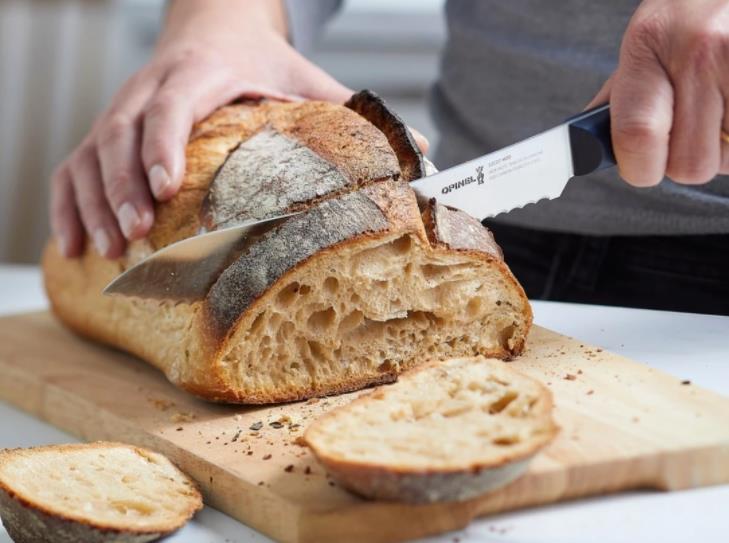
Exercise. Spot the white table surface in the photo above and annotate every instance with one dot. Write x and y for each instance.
(694, 347)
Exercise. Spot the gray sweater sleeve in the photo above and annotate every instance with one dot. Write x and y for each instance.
(306, 17)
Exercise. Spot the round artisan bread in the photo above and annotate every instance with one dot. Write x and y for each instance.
(350, 292)
(95, 493)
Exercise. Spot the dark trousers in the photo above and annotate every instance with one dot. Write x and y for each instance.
(676, 273)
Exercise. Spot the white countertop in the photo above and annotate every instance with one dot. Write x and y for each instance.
(694, 347)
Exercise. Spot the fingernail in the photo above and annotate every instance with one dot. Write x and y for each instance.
(128, 219)
(102, 241)
(159, 180)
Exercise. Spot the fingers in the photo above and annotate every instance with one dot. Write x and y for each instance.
(695, 146)
(65, 221)
(124, 182)
(96, 215)
(641, 109)
(168, 118)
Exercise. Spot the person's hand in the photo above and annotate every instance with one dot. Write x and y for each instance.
(669, 95)
(210, 54)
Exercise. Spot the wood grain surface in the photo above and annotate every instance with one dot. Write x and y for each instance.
(624, 425)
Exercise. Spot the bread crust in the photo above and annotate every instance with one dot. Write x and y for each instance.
(400, 482)
(28, 521)
(188, 341)
(373, 108)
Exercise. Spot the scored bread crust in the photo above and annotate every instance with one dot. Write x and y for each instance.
(198, 345)
(400, 481)
(28, 521)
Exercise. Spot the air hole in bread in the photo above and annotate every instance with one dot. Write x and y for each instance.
(287, 295)
(321, 321)
(507, 333)
(502, 403)
(403, 244)
(351, 321)
(331, 285)
(505, 441)
(473, 307)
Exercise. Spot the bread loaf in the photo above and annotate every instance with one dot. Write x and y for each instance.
(92, 493)
(445, 431)
(350, 292)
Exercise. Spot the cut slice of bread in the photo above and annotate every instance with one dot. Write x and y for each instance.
(446, 431)
(355, 289)
(95, 492)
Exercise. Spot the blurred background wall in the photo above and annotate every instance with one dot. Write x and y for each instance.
(62, 60)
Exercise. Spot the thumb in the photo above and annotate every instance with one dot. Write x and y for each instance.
(603, 95)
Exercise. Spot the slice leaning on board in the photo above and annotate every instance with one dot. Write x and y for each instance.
(361, 285)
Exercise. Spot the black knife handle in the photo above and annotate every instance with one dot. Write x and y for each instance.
(592, 147)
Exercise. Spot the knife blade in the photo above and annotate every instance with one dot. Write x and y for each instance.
(525, 172)
(185, 270)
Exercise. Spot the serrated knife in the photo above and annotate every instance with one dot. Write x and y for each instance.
(534, 169)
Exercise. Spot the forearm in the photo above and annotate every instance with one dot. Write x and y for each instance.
(216, 21)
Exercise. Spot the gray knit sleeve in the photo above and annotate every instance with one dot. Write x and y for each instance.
(306, 18)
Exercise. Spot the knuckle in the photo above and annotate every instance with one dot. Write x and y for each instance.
(649, 29)
(115, 127)
(80, 159)
(156, 108)
(637, 135)
(707, 50)
(117, 188)
(163, 102)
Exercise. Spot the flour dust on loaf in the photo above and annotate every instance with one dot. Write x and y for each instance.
(445, 431)
(357, 287)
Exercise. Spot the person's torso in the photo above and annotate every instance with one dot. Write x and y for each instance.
(512, 69)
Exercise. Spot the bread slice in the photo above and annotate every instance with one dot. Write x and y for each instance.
(96, 492)
(358, 287)
(446, 431)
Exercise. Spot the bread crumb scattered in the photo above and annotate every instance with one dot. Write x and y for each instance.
(590, 392)
(183, 417)
(161, 404)
(686, 382)
(267, 457)
(570, 377)
(289, 468)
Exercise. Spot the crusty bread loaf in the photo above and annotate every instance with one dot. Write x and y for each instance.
(445, 431)
(92, 493)
(350, 292)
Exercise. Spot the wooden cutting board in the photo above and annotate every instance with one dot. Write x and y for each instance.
(624, 425)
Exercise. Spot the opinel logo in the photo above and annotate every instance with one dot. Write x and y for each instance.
(479, 180)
